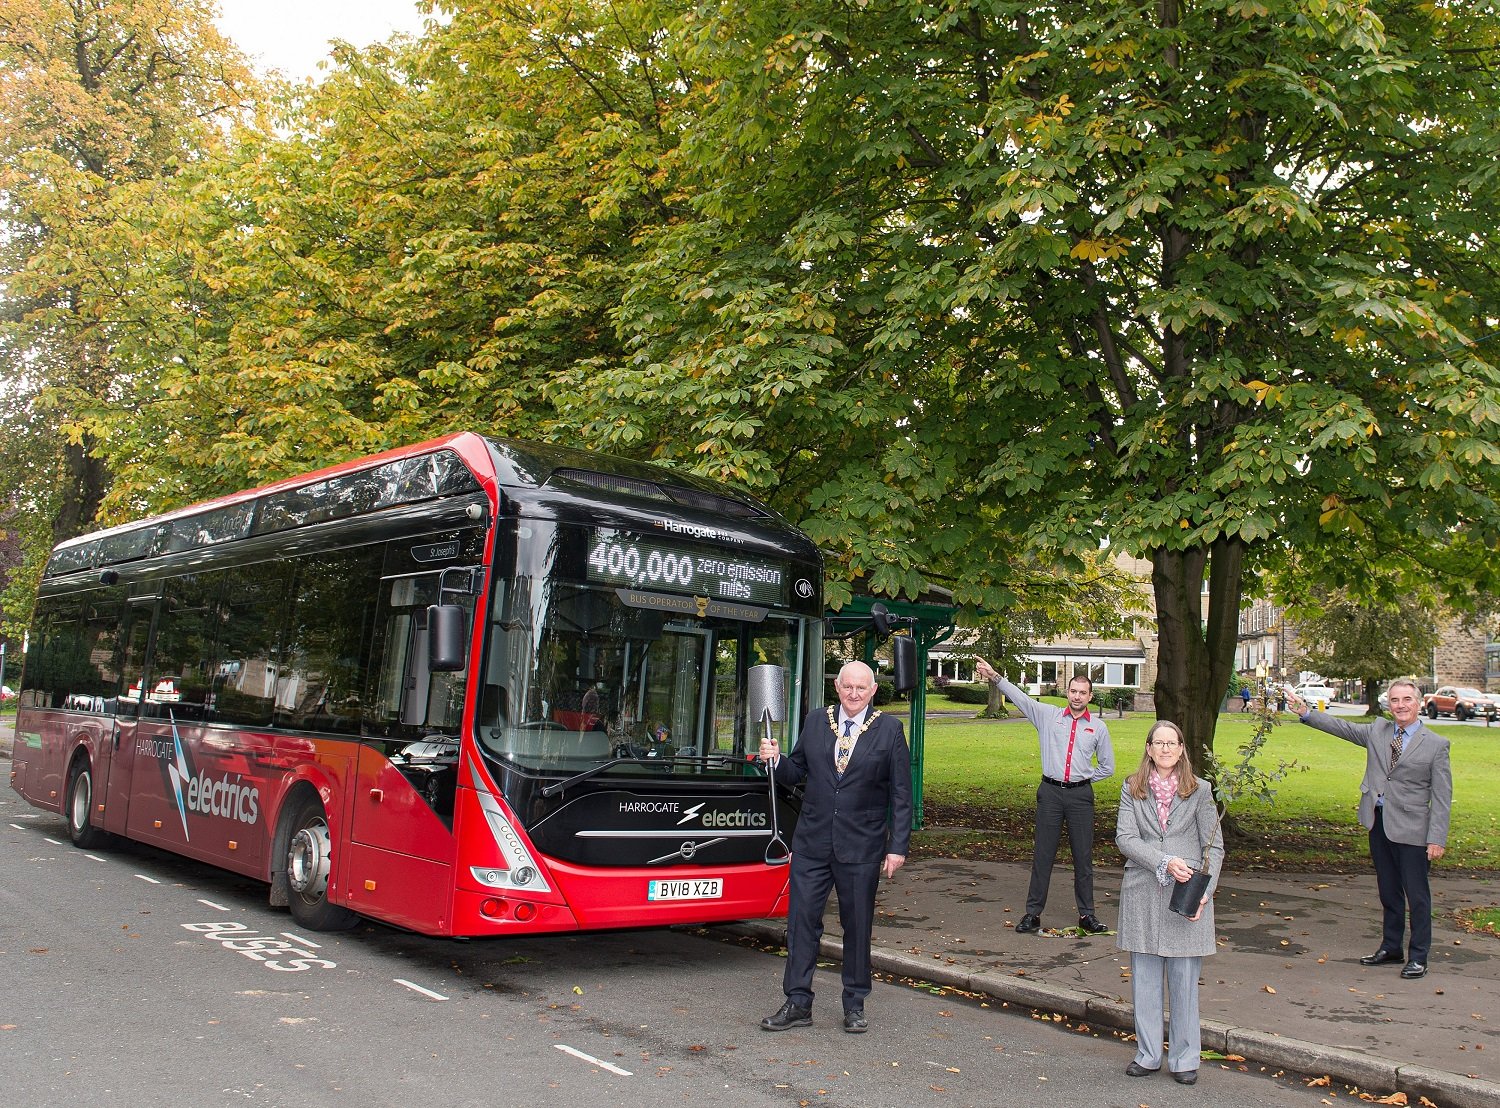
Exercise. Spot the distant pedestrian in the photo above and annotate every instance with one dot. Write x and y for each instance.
(1245, 698)
(1076, 752)
(1167, 821)
(1281, 699)
(1404, 803)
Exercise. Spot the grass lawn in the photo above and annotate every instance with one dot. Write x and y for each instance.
(980, 779)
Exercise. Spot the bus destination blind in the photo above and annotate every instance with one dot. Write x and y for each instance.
(621, 558)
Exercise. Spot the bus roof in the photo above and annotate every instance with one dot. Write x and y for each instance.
(457, 464)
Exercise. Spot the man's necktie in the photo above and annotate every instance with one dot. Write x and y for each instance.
(845, 748)
(1398, 743)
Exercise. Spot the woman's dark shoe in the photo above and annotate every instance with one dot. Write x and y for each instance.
(1135, 1069)
(1186, 1077)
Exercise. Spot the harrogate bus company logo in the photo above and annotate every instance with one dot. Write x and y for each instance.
(226, 798)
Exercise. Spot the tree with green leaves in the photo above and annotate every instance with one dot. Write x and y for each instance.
(100, 103)
(1349, 637)
(988, 283)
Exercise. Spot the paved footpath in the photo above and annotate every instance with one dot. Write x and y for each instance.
(1286, 988)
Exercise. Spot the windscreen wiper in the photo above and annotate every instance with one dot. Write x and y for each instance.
(721, 760)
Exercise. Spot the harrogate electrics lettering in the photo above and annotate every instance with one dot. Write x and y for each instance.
(656, 806)
(738, 818)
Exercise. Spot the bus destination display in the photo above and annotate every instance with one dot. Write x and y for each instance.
(622, 558)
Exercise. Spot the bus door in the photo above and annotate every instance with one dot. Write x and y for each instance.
(117, 753)
(401, 848)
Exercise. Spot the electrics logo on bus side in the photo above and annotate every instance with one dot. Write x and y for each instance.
(228, 797)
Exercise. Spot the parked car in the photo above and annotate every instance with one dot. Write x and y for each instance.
(1460, 703)
(1313, 695)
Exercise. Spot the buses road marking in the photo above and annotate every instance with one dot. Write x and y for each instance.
(414, 987)
(591, 1060)
(269, 951)
(211, 904)
(151, 880)
(299, 939)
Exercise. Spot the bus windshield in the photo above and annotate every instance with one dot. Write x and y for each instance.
(580, 674)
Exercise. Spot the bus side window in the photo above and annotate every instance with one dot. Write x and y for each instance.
(322, 677)
(182, 661)
(408, 696)
(74, 659)
(246, 658)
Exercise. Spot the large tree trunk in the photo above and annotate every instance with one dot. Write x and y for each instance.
(85, 479)
(1195, 650)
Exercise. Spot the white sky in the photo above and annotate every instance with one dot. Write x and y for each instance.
(292, 35)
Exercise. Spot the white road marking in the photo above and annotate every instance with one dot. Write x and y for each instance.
(591, 1060)
(54, 842)
(95, 857)
(299, 939)
(414, 987)
(211, 904)
(148, 880)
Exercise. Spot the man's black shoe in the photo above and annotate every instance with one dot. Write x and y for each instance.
(1185, 1077)
(1381, 957)
(787, 1016)
(1090, 925)
(854, 1021)
(1029, 924)
(1413, 970)
(1135, 1069)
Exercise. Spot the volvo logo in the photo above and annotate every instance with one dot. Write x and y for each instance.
(685, 851)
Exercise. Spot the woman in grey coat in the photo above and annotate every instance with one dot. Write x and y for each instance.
(1166, 817)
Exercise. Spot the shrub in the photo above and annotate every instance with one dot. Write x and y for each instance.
(968, 694)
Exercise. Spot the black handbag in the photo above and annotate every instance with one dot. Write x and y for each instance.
(1187, 896)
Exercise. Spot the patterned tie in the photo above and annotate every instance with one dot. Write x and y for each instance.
(845, 748)
(1397, 745)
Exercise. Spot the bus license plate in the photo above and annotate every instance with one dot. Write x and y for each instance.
(702, 888)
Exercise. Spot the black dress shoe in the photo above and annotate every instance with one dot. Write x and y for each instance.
(854, 1021)
(1185, 1077)
(1135, 1069)
(1090, 925)
(1381, 957)
(1414, 970)
(788, 1015)
(1029, 924)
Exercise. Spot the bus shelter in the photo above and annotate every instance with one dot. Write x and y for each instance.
(929, 620)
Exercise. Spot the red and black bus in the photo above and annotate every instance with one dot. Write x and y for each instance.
(470, 687)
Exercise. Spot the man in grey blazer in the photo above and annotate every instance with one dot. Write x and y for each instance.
(1404, 802)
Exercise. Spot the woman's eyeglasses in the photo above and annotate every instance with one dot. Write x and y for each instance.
(1164, 744)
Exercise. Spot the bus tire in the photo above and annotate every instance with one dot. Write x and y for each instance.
(78, 809)
(309, 864)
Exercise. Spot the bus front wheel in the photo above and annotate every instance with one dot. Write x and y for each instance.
(309, 864)
(80, 807)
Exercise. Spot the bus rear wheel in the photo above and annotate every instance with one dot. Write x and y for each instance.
(309, 864)
(79, 808)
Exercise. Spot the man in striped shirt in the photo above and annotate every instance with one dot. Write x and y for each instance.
(1076, 752)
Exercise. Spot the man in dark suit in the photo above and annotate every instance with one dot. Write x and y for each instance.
(1404, 802)
(855, 824)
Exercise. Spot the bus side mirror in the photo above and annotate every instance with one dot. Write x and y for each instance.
(445, 638)
(904, 651)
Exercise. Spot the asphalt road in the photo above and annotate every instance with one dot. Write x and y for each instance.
(136, 978)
